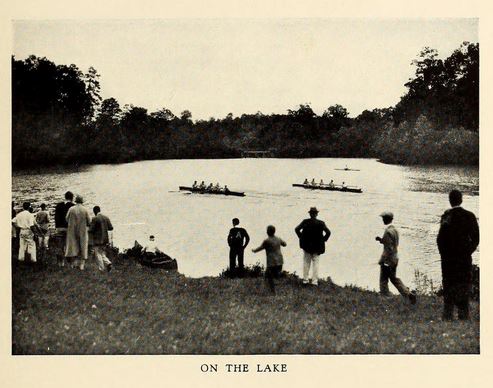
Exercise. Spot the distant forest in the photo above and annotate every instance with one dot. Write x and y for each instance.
(59, 117)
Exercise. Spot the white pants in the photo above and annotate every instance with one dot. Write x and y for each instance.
(308, 259)
(101, 259)
(26, 242)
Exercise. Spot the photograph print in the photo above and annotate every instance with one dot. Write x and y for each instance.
(245, 186)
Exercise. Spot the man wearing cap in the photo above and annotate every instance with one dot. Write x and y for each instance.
(78, 220)
(457, 239)
(389, 260)
(313, 234)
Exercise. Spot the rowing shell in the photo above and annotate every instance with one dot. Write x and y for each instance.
(201, 191)
(334, 188)
(346, 169)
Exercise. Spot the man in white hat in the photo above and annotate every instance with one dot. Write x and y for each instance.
(313, 234)
(389, 260)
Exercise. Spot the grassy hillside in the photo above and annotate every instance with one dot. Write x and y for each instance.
(138, 310)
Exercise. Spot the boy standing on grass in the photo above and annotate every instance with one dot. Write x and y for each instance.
(272, 245)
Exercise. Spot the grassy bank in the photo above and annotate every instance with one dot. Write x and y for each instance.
(138, 310)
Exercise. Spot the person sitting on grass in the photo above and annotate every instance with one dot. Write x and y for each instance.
(152, 247)
(272, 245)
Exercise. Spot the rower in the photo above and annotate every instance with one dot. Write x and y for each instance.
(306, 181)
(313, 182)
(210, 187)
(331, 183)
(217, 187)
(321, 182)
(202, 185)
(194, 186)
(226, 190)
(344, 186)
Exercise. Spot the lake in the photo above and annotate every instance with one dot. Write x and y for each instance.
(142, 198)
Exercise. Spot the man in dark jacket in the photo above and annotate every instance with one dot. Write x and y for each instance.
(238, 239)
(457, 239)
(61, 225)
(100, 225)
(313, 234)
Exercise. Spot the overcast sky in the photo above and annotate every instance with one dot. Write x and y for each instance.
(213, 67)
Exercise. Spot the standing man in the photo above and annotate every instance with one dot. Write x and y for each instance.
(100, 225)
(78, 220)
(238, 239)
(457, 239)
(60, 238)
(43, 221)
(27, 225)
(313, 234)
(389, 260)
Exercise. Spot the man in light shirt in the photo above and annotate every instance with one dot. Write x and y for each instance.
(389, 260)
(27, 225)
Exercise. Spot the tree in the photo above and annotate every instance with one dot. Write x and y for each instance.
(186, 115)
(336, 111)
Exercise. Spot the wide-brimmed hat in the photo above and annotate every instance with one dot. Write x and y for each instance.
(313, 210)
(387, 215)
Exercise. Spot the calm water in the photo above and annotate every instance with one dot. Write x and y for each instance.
(142, 198)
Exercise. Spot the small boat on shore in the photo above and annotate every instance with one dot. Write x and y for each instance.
(205, 191)
(349, 189)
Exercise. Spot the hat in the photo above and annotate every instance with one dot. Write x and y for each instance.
(387, 214)
(79, 199)
(313, 210)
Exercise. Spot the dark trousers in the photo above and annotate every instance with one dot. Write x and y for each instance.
(389, 273)
(271, 273)
(456, 282)
(234, 254)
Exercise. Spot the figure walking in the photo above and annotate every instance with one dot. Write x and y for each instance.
(390, 259)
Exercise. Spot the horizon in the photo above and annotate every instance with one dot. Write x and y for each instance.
(221, 66)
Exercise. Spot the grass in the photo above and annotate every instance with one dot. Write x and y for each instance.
(140, 310)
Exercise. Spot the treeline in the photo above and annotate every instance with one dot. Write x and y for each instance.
(58, 117)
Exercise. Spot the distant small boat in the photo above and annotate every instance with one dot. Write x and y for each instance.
(349, 189)
(347, 169)
(205, 191)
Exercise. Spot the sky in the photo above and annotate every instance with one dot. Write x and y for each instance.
(213, 67)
